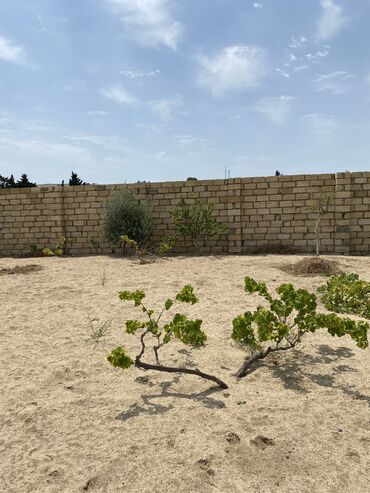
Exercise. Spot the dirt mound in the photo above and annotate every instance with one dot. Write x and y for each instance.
(20, 269)
(312, 266)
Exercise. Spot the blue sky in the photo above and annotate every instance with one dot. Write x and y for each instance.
(127, 90)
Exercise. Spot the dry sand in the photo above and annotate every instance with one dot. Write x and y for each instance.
(71, 422)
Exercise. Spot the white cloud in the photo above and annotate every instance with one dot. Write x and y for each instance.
(193, 142)
(118, 94)
(257, 5)
(331, 20)
(313, 57)
(300, 42)
(283, 73)
(97, 113)
(164, 108)
(299, 68)
(10, 52)
(34, 150)
(75, 86)
(336, 82)
(276, 109)
(132, 74)
(150, 22)
(320, 123)
(235, 68)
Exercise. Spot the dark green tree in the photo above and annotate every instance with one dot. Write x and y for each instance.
(7, 182)
(75, 181)
(24, 182)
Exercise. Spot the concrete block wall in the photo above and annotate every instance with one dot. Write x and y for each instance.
(264, 214)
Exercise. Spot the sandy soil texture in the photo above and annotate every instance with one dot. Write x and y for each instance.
(70, 422)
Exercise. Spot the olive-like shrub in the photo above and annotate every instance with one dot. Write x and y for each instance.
(346, 293)
(126, 215)
(281, 324)
(180, 327)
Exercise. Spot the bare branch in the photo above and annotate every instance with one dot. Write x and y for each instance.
(169, 369)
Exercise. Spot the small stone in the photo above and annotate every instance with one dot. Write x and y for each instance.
(262, 442)
(232, 438)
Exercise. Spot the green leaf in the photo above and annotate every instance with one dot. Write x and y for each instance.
(243, 331)
(135, 296)
(152, 326)
(251, 286)
(186, 295)
(166, 339)
(188, 331)
(338, 326)
(346, 293)
(133, 325)
(168, 304)
(119, 359)
(47, 251)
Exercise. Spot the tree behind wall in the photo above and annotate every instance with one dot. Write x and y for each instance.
(6, 182)
(75, 180)
(23, 182)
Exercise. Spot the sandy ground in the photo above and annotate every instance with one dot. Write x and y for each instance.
(70, 422)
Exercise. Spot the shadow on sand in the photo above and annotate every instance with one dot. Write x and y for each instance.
(152, 408)
(297, 369)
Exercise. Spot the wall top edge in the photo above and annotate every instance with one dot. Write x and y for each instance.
(191, 183)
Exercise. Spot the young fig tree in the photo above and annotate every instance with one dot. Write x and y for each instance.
(180, 327)
(196, 222)
(282, 322)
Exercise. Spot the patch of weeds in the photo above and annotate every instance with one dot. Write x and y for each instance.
(98, 330)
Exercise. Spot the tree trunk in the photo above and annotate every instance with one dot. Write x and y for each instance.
(170, 369)
(250, 361)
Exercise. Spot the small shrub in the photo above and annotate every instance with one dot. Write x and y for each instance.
(126, 215)
(180, 327)
(144, 253)
(282, 324)
(195, 221)
(58, 250)
(346, 293)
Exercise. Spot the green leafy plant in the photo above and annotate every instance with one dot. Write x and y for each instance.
(144, 253)
(58, 250)
(346, 293)
(195, 221)
(166, 245)
(141, 252)
(126, 215)
(282, 324)
(180, 327)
